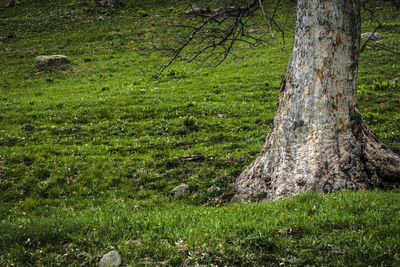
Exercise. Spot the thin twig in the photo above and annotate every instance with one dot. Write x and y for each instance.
(269, 22)
(387, 49)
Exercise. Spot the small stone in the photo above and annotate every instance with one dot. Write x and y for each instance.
(112, 258)
(109, 3)
(374, 36)
(392, 81)
(190, 158)
(180, 190)
(54, 60)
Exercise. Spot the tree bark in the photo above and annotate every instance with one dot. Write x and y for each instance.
(319, 141)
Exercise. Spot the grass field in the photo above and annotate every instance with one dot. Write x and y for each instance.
(90, 151)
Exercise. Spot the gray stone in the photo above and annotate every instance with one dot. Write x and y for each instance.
(112, 258)
(109, 3)
(180, 190)
(54, 60)
(394, 79)
(374, 36)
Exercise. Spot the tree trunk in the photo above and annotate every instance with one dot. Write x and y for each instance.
(319, 141)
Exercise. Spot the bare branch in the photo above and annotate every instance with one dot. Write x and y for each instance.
(270, 19)
(231, 23)
(372, 18)
(387, 49)
(183, 46)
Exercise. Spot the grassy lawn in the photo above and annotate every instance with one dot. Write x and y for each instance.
(90, 151)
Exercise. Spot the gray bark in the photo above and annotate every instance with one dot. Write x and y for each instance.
(319, 141)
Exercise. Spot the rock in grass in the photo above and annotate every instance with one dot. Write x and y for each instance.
(109, 3)
(392, 81)
(374, 36)
(112, 258)
(191, 158)
(180, 190)
(54, 60)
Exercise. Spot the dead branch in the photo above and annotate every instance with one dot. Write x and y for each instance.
(231, 26)
(372, 18)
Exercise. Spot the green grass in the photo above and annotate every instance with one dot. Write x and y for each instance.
(90, 151)
(360, 228)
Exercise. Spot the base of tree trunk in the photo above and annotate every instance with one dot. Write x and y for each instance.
(365, 164)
